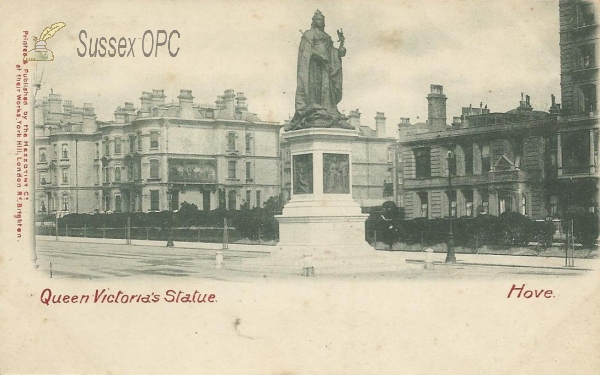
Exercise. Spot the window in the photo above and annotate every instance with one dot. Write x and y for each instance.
(485, 159)
(65, 151)
(174, 200)
(97, 173)
(118, 203)
(504, 201)
(154, 139)
(451, 161)
(97, 150)
(585, 14)
(105, 175)
(575, 156)
(106, 147)
(422, 162)
(130, 176)
(55, 152)
(485, 202)
(424, 204)
(154, 168)
(451, 196)
(65, 176)
(517, 146)
(117, 174)
(524, 204)
(43, 178)
(587, 98)
(231, 141)
(587, 56)
(65, 202)
(139, 141)
(231, 169)
(468, 151)
(42, 155)
(248, 143)
(232, 200)
(553, 211)
(107, 203)
(154, 200)
(117, 145)
(468, 195)
(248, 171)
(132, 143)
(258, 203)
(248, 198)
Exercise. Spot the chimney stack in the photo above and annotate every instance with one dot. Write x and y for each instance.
(146, 100)
(380, 124)
(186, 102)
(55, 103)
(228, 103)
(436, 108)
(354, 119)
(89, 118)
(158, 98)
(240, 102)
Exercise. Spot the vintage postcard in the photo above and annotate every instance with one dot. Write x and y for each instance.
(321, 187)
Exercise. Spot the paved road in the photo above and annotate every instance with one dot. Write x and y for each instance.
(108, 260)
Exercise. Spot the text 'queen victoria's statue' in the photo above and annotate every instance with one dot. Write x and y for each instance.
(319, 87)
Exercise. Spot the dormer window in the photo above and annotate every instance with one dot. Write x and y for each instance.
(587, 56)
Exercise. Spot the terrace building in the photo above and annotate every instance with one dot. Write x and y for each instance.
(155, 157)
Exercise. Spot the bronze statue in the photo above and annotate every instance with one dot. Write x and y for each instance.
(319, 87)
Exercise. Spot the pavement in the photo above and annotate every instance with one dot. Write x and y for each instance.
(98, 258)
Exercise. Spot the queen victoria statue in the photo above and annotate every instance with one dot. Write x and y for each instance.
(319, 88)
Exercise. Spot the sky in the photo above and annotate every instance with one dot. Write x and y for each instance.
(480, 51)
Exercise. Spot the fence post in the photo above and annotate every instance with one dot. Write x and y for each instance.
(103, 230)
(225, 234)
(84, 230)
(66, 230)
(128, 232)
(375, 239)
(56, 226)
(147, 233)
(259, 235)
(198, 234)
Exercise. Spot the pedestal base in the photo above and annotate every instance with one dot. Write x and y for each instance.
(327, 236)
(322, 227)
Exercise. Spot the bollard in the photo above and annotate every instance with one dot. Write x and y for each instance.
(429, 258)
(219, 260)
(308, 269)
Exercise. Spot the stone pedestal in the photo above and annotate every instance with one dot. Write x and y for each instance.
(322, 229)
(322, 219)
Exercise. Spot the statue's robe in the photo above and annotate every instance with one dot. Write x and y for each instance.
(319, 72)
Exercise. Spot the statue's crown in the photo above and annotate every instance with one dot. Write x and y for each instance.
(318, 14)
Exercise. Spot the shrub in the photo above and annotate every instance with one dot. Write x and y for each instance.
(516, 228)
(585, 227)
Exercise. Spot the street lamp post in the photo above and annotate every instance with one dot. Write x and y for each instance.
(170, 220)
(450, 256)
